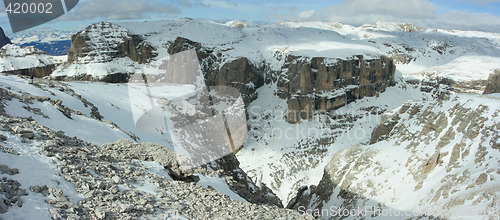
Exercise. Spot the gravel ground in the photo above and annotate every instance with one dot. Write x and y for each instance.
(110, 179)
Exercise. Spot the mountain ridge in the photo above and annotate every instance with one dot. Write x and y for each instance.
(396, 115)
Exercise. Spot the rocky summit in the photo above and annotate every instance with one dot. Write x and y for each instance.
(104, 41)
(327, 121)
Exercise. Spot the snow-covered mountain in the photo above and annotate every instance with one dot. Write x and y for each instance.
(387, 115)
(438, 158)
(28, 61)
(424, 53)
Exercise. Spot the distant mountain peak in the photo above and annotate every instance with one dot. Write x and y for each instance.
(393, 26)
(105, 41)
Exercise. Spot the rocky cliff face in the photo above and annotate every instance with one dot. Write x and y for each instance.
(240, 183)
(3, 39)
(37, 72)
(310, 85)
(493, 85)
(432, 157)
(105, 41)
(105, 52)
(238, 73)
(322, 85)
(27, 61)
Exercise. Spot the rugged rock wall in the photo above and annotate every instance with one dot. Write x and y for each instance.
(315, 198)
(38, 72)
(321, 84)
(110, 78)
(309, 84)
(239, 73)
(240, 183)
(105, 41)
(493, 85)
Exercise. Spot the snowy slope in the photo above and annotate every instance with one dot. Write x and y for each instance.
(440, 159)
(284, 156)
(98, 69)
(45, 104)
(295, 155)
(111, 100)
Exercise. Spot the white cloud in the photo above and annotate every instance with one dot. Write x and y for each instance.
(306, 14)
(185, 3)
(419, 12)
(222, 4)
(469, 20)
(398, 8)
(481, 2)
(358, 12)
(119, 9)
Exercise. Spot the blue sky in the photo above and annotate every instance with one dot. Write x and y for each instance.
(450, 14)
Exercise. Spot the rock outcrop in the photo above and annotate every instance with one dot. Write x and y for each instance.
(315, 198)
(105, 41)
(241, 183)
(321, 84)
(105, 52)
(238, 73)
(38, 72)
(4, 40)
(387, 123)
(493, 85)
(310, 85)
(26, 61)
(12, 194)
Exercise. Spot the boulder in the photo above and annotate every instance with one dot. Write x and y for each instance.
(493, 85)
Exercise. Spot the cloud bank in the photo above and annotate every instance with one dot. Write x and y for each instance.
(121, 9)
(420, 12)
(423, 13)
